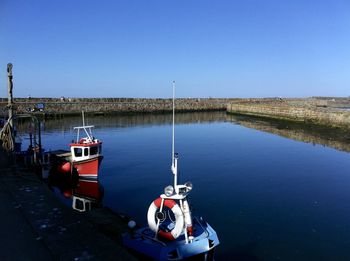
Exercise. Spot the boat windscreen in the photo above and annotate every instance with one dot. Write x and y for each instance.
(93, 150)
(78, 152)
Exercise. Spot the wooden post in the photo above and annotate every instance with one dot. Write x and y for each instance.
(10, 94)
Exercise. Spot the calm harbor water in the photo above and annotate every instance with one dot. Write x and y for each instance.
(272, 191)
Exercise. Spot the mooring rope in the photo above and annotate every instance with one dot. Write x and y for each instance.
(6, 137)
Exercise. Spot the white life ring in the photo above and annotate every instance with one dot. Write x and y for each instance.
(179, 218)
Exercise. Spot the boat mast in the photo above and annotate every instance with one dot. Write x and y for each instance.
(174, 157)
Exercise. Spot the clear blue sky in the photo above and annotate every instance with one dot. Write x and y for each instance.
(129, 48)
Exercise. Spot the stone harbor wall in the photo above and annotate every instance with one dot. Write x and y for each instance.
(317, 111)
(65, 106)
(320, 110)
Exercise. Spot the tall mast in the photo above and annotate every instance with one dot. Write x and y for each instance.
(173, 134)
(173, 157)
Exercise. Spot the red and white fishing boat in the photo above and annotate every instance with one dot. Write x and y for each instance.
(85, 155)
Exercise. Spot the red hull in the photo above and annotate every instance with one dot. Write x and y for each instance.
(88, 168)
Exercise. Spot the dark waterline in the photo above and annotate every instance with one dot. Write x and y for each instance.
(268, 197)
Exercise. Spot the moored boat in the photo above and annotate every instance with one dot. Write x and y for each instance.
(84, 157)
(172, 232)
(86, 154)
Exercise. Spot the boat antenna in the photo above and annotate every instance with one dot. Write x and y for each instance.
(174, 156)
(82, 112)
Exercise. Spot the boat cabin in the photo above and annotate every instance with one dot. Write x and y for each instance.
(85, 148)
(86, 151)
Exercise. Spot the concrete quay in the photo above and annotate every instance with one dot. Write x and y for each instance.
(314, 110)
(37, 226)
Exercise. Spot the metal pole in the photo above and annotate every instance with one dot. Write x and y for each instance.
(39, 137)
(35, 143)
(173, 156)
(10, 94)
(173, 132)
(82, 113)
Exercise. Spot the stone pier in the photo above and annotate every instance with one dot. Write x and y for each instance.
(66, 106)
(328, 112)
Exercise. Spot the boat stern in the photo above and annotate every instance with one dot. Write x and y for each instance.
(143, 241)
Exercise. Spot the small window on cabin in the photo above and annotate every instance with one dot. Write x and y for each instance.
(86, 152)
(78, 152)
(79, 204)
(93, 150)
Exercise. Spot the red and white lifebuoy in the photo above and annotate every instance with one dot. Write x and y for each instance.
(179, 218)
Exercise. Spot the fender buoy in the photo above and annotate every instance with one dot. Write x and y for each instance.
(66, 167)
(179, 218)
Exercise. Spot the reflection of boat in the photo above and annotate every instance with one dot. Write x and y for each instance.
(86, 195)
(81, 194)
(85, 155)
(172, 233)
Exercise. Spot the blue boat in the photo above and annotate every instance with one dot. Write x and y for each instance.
(143, 242)
(172, 232)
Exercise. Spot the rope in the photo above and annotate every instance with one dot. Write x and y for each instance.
(6, 137)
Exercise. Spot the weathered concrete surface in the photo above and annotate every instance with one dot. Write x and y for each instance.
(19, 240)
(37, 226)
(114, 105)
(306, 110)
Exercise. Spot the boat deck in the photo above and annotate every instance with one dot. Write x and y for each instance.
(60, 153)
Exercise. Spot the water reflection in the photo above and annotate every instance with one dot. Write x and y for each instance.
(331, 137)
(133, 120)
(269, 198)
(82, 195)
